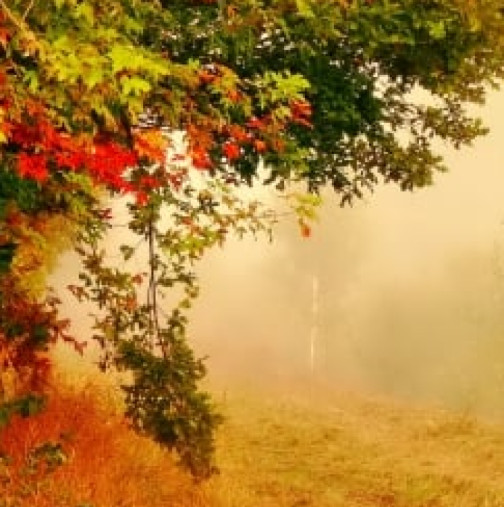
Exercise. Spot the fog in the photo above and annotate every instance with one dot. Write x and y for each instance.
(410, 292)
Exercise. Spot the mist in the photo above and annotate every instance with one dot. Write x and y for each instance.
(410, 292)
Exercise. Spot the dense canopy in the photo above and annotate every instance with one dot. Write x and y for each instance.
(323, 91)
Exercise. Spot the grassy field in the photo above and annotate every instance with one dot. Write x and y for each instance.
(343, 450)
(312, 449)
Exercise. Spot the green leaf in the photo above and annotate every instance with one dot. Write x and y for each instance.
(135, 85)
(437, 30)
(122, 58)
(127, 251)
(93, 76)
(304, 9)
(85, 11)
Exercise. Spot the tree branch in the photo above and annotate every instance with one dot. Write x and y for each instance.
(27, 11)
(19, 24)
(152, 289)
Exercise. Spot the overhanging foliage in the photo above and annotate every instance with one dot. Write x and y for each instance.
(321, 92)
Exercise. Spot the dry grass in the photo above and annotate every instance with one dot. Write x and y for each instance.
(349, 451)
(340, 450)
(107, 464)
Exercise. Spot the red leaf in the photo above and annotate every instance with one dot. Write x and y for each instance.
(301, 112)
(257, 123)
(33, 167)
(141, 198)
(200, 158)
(4, 36)
(231, 151)
(206, 77)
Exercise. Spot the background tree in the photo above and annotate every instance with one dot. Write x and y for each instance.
(91, 92)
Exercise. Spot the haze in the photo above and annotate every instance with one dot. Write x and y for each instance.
(411, 292)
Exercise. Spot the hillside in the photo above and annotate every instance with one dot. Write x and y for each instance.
(344, 450)
(314, 449)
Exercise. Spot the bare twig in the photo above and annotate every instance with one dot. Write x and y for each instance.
(19, 24)
(27, 11)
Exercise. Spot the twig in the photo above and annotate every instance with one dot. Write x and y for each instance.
(27, 11)
(10, 15)
(153, 288)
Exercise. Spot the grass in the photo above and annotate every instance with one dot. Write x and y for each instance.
(329, 450)
(344, 450)
(104, 464)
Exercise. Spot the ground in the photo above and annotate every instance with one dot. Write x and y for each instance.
(311, 448)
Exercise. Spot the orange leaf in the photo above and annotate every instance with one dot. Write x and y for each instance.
(305, 229)
(151, 144)
(206, 77)
(239, 133)
(260, 146)
(234, 96)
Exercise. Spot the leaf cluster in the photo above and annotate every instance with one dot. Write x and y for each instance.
(141, 322)
(202, 66)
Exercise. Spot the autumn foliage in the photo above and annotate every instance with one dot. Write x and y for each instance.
(299, 94)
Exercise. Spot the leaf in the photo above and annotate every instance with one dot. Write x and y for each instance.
(85, 11)
(135, 85)
(32, 79)
(93, 76)
(437, 30)
(127, 252)
(305, 229)
(304, 9)
(122, 58)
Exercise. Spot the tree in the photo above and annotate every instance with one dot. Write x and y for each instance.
(317, 92)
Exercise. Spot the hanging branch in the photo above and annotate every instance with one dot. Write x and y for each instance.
(152, 289)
